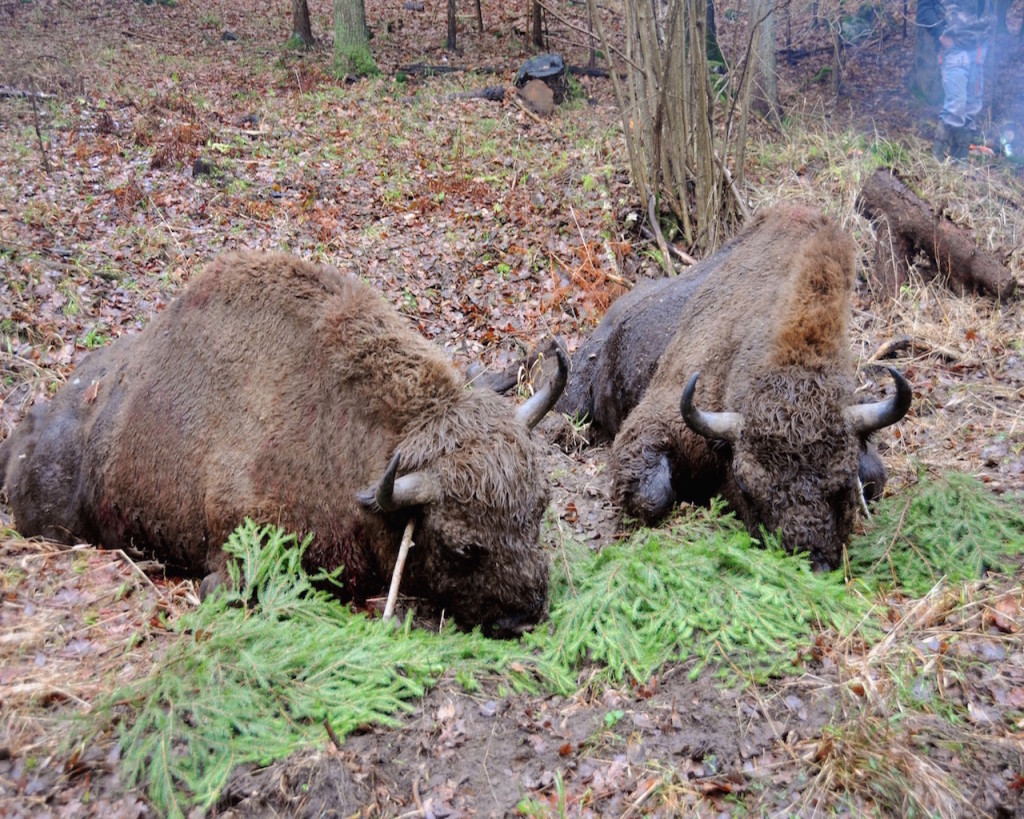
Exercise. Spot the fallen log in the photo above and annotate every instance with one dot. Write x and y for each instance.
(491, 93)
(426, 70)
(907, 225)
(19, 93)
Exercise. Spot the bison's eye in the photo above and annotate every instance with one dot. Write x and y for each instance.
(466, 551)
(839, 501)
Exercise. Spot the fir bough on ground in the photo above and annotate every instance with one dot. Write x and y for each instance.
(701, 589)
(257, 673)
(947, 526)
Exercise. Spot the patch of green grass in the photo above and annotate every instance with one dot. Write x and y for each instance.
(95, 337)
(73, 303)
(258, 672)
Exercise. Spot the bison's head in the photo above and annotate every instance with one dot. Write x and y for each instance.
(799, 459)
(474, 480)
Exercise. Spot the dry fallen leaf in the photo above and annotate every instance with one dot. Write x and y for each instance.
(1004, 615)
(92, 392)
(446, 711)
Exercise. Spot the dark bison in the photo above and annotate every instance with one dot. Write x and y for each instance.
(770, 423)
(289, 392)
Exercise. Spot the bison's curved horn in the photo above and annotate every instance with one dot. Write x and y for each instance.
(865, 418)
(725, 426)
(532, 410)
(414, 489)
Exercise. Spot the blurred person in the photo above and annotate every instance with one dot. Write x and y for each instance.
(964, 29)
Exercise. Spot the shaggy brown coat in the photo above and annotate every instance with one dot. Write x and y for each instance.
(278, 389)
(768, 333)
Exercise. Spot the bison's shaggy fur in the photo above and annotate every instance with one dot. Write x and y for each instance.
(280, 390)
(766, 326)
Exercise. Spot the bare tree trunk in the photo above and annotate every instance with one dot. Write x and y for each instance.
(301, 29)
(766, 83)
(925, 79)
(450, 42)
(679, 158)
(714, 52)
(537, 17)
(1002, 7)
(592, 55)
(479, 17)
(352, 39)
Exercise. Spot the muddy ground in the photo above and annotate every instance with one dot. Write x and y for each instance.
(667, 747)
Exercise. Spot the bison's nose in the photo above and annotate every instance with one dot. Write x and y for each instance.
(512, 624)
(506, 628)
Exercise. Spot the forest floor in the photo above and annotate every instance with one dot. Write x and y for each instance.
(491, 229)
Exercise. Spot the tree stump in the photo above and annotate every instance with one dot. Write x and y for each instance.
(907, 225)
(549, 69)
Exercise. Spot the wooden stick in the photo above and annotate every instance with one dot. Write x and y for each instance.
(652, 217)
(39, 135)
(396, 576)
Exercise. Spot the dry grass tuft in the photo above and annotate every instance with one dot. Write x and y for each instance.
(24, 380)
(869, 764)
(939, 692)
(75, 623)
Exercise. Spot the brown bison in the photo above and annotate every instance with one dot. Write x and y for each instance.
(770, 423)
(289, 392)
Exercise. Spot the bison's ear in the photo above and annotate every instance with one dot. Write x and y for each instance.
(414, 489)
(537, 407)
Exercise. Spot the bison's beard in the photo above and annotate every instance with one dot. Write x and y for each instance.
(794, 468)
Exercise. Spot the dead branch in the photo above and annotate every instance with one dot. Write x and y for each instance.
(335, 740)
(518, 101)
(916, 346)
(423, 69)
(652, 218)
(491, 93)
(39, 135)
(17, 93)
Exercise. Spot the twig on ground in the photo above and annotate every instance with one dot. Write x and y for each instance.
(330, 733)
(521, 104)
(8, 92)
(396, 576)
(635, 805)
(135, 568)
(681, 255)
(890, 348)
(39, 135)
